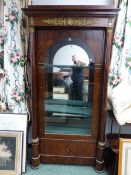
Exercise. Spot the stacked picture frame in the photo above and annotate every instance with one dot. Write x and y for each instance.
(124, 167)
(11, 150)
(13, 143)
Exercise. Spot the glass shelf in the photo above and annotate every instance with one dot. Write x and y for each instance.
(90, 66)
(78, 108)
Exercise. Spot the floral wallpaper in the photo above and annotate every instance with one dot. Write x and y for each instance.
(13, 41)
(120, 68)
(121, 53)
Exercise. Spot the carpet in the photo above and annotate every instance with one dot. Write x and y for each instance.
(50, 169)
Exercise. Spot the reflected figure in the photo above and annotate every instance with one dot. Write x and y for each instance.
(77, 78)
(60, 79)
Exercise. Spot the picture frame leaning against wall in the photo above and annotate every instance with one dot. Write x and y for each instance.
(11, 150)
(124, 167)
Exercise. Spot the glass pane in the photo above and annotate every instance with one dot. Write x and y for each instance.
(68, 91)
(68, 104)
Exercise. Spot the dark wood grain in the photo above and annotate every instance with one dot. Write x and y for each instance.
(59, 148)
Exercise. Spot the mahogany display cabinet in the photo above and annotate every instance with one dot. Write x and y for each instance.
(68, 96)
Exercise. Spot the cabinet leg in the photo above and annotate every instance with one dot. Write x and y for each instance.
(100, 164)
(35, 154)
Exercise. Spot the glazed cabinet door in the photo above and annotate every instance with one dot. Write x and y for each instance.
(69, 68)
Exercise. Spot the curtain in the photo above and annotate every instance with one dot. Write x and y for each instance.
(119, 90)
(14, 46)
(1, 27)
(1, 57)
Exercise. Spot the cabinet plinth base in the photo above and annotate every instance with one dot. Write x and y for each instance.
(100, 166)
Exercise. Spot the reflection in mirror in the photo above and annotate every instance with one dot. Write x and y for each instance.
(64, 55)
(68, 104)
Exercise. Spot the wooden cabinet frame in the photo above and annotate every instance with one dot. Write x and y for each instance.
(101, 20)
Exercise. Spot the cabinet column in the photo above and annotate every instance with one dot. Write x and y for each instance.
(35, 138)
(101, 141)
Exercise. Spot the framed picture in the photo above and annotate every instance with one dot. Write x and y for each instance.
(17, 122)
(124, 167)
(11, 152)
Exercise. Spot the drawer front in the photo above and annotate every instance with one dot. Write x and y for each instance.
(68, 147)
